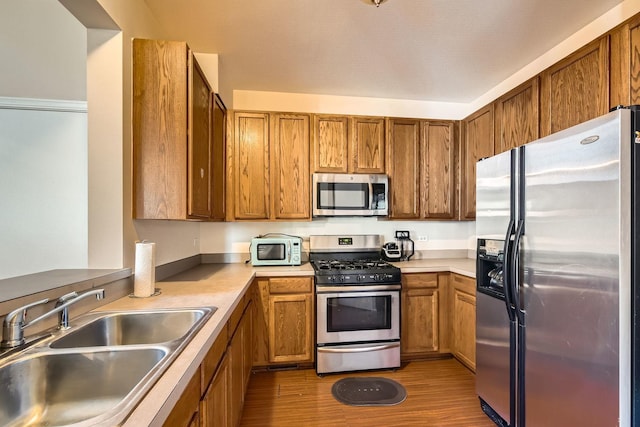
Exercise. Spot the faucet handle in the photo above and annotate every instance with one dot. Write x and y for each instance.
(66, 297)
(12, 335)
(18, 315)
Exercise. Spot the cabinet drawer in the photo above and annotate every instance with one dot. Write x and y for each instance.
(212, 359)
(290, 285)
(464, 283)
(420, 280)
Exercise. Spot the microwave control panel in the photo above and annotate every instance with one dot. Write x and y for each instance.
(295, 253)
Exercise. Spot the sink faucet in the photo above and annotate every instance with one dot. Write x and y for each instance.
(14, 324)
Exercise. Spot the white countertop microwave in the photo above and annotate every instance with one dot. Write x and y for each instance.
(341, 194)
(276, 250)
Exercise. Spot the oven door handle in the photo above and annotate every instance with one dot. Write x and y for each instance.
(358, 349)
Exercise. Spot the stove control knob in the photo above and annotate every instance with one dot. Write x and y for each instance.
(362, 278)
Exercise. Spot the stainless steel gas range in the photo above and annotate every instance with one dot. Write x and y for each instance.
(357, 304)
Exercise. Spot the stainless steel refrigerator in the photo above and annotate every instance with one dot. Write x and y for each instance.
(557, 228)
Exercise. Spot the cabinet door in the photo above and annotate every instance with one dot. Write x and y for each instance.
(420, 313)
(419, 320)
(251, 165)
(236, 383)
(260, 308)
(477, 144)
(464, 328)
(403, 168)
(438, 168)
(366, 135)
(187, 406)
(216, 402)
(218, 158)
(199, 153)
(159, 129)
(247, 346)
(330, 144)
(290, 328)
(517, 117)
(624, 45)
(290, 168)
(575, 89)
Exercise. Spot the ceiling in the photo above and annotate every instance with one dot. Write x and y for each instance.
(428, 50)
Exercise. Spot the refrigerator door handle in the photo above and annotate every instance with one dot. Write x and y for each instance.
(513, 273)
(506, 272)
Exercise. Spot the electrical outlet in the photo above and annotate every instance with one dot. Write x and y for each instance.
(423, 238)
(402, 234)
(196, 243)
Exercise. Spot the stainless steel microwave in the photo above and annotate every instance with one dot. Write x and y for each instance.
(338, 194)
(281, 250)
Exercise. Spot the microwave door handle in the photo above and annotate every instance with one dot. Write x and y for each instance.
(371, 198)
(289, 252)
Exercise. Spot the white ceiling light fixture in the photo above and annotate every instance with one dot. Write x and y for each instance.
(376, 2)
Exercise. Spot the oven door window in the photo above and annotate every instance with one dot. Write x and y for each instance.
(364, 313)
(271, 251)
(343, 195)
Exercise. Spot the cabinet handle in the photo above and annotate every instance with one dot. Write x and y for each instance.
(201, 172)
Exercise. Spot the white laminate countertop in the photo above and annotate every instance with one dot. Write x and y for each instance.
(222, 286)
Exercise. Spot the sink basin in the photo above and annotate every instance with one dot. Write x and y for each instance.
(132, 328)
(95, 373)
(55, 389)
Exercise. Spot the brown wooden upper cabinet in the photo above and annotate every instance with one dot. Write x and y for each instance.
(421, 168)
(172, 133)
(476, 144)
(624, 66)
(517, 116)
(250, 166)
(218, 158)
(330, 144)
(366, 140)
(269, 171)
(575, 89)
(348, 144)
(290, 166)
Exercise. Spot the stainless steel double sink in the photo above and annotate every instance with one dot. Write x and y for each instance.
(96, 372)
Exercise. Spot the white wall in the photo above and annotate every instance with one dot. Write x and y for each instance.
(235, 237)
(43, 186)
(42, 51)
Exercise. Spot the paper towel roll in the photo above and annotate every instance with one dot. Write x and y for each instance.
(144, 282)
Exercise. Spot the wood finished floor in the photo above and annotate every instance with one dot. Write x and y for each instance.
(439, 393)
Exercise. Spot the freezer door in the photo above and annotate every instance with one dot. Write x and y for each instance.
(493, 196)
(492, 354)
(575, 276)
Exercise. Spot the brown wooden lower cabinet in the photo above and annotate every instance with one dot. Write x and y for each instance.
(215, 405)
(215, 395)
(187, 407)
(463, 322)
(273, 325)
(420, 311)
(284, 320)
